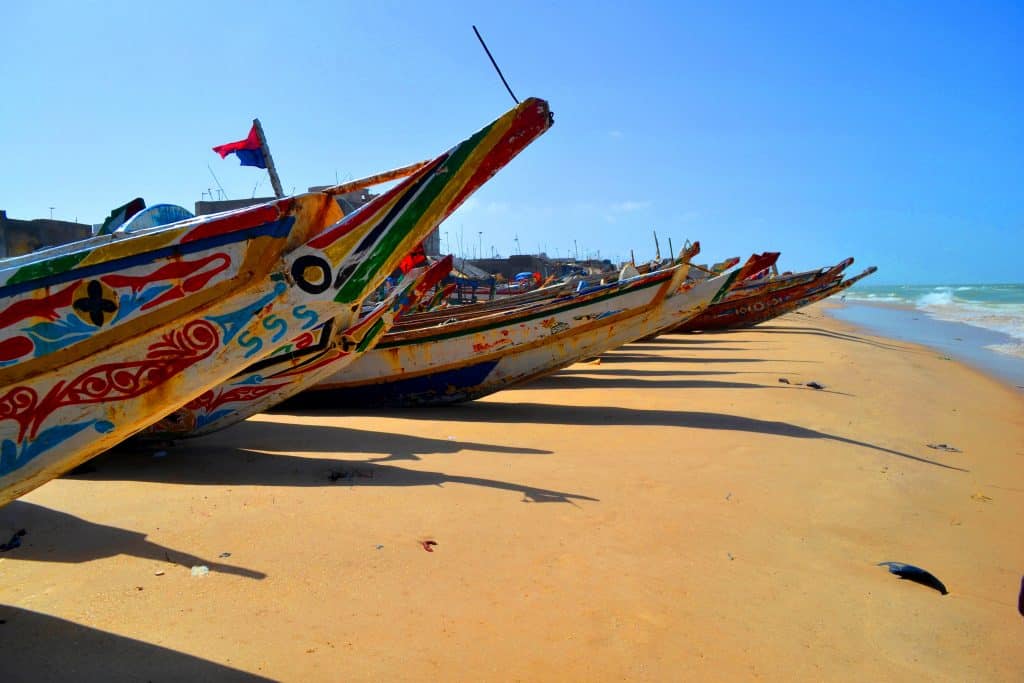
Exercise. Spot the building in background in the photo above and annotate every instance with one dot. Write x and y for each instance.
(19, 237)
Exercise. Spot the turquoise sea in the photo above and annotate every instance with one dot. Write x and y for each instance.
(982, 324)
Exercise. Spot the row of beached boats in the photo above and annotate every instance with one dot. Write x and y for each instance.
(179, 329)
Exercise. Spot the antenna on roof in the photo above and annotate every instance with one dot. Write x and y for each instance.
(224, 195)
(500, 75)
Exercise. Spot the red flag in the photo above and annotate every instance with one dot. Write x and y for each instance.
(249, 151)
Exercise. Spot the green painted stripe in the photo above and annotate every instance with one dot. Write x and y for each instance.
(725, 288)
(511, 320)
(370, 268)
(52, 266)
(368, 339)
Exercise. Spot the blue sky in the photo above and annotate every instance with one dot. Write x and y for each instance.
(892, 133)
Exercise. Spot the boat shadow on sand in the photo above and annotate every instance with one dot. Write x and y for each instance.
(55, 536)
(828, 334)
(40, 647)
(266, 453)
(499, 413)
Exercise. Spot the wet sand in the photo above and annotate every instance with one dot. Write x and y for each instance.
(672, 512)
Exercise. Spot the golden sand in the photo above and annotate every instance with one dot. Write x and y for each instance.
(672, 512)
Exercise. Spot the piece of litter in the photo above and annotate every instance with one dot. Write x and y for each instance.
(160, 454)
(428, 545)
(815, 385)
(158, 572)
(981, 498)
(783, 380)
(944, 447)
(14, 542)
(224, 555)
(915, 574)
(200, 570)
(138, 588)
(728, 495)
(730, 556)
(451, 438)
(380, 547)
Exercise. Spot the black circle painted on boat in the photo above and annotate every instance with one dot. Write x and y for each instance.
(303, 263)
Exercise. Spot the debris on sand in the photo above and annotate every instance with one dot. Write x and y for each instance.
(915, 574)
(14, 542)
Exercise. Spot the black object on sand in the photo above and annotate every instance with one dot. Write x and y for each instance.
(14, 542)
(915, 574)
(1020, 598)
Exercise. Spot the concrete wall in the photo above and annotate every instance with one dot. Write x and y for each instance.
(19, 237)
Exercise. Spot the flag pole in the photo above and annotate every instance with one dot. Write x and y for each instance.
(271, 169)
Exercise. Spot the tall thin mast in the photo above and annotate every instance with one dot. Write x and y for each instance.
(271, 169)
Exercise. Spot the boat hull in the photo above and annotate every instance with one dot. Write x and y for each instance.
(301, 273)
(484, 356)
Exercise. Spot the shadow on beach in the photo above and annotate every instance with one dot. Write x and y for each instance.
(230, 458)
(55, 536)
(539, 413)
(622, 357)
(39, 647)
(829, 334)
(580, 381)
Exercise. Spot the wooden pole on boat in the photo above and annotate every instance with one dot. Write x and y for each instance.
(632, 259)
(271, 169)
(671, 251)
(657, 247)
(370, 181)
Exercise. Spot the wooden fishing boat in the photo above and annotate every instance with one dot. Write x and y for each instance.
(314, 355)
(470, 358)
(736, 312)
(819, 294)
(104, 337)
(742, 290)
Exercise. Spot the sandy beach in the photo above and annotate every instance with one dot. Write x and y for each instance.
(669, 512)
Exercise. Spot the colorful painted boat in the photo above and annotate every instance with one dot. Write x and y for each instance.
(737, 312)
(312, 356)
(471, 358)
(104, 337)
(742, 290)
(816, 295)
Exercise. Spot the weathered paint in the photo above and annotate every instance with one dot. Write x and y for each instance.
(445, 364)
(115, 378)
(756, 308)
(296, 366)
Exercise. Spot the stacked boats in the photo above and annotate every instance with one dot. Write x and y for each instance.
(179, 329)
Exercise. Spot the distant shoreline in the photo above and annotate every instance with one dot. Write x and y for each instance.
(966, 343)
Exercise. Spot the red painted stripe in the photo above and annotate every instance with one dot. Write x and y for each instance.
(240, 221)
(533, 118)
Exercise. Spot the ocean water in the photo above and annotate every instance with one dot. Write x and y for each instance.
(983, 324)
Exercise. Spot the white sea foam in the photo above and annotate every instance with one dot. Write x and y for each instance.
(1016, 350)
(875, 298)
(1005, 318)
(940, 296)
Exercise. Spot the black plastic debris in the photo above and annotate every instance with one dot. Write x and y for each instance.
(944, 447)
(1020, 598)
(783, 380)
(815, 385)
(915, 574)
(14, 542)
(428, 545)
